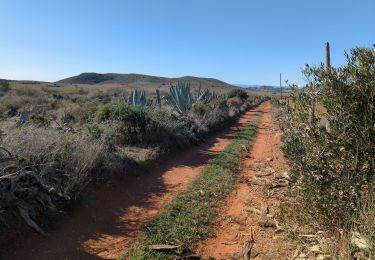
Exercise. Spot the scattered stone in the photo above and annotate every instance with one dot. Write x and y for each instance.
(254, 210)
(279, 229)
(359, 241)
(315, 249)
(286, 175)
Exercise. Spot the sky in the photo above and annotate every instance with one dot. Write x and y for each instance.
(238, 41)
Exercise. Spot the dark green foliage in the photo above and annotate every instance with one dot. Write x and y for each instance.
(137, 125)
(97, 78)
(240, 93)
(88, 78)
(12, 109)
(329, 138)
(67, 117)
(40, 119)
(4, 86)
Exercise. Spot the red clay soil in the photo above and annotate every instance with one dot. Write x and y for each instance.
(246, 218)
(117, 212)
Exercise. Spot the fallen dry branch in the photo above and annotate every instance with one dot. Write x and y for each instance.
(163, 247)
(248, 247)
(6, 151)
(26, 193)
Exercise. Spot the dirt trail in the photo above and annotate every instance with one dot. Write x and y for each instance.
(117, 212)
(251, 207)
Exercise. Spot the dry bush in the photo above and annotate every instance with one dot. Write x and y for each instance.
(41, 146)
(46, 167)
(234, 104)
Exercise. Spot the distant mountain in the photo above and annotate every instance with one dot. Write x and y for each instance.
(246, 86)
(97, 78)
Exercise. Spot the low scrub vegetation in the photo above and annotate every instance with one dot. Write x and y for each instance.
(53, 144)
(329, 140)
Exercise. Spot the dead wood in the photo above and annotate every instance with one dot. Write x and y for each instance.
(248, 247)
(163, 247)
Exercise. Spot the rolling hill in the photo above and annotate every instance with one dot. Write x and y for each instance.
(113, 78)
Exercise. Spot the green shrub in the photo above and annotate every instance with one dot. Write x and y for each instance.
(12, 109)
(199, 109)
(4, 86)
(329, 138)
(40, 119)
(131, 124)
(28, 91)
(67, 117)
(240, 93)
(104, 113)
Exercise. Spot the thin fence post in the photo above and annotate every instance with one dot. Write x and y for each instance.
(281, 89)
(328, 55)
(158, 98)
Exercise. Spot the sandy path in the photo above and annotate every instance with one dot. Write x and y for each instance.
(117, 212)
(245, 210)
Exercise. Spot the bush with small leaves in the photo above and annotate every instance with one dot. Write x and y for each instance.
(329, 139)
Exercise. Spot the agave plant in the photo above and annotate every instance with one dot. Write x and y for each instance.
(180, 97)
(137, 98)
(203, 96)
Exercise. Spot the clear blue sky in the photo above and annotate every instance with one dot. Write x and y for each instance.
(238, 41)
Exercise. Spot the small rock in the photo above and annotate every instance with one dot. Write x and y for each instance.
(286, 175)
(359, 241)
(315, 249)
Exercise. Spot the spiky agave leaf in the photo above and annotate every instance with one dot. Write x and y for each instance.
(179, 97)
(137, 98)
(203, 96)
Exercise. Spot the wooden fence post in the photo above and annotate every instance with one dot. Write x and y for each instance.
(328, 55)
(158, 98)
(281, 89)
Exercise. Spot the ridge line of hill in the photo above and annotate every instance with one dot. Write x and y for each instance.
(99, 78)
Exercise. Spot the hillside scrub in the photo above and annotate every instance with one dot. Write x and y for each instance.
(329, 140)
(69, 141)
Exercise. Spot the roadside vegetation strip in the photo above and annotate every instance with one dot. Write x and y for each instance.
(186, 219)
